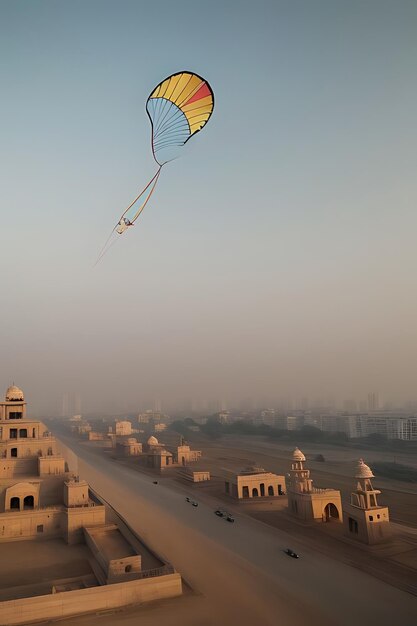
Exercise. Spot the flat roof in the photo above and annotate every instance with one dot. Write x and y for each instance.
(32, 566)
(111, 543)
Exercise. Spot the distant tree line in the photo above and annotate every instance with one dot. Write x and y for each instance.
(215, 428)
(395, 471)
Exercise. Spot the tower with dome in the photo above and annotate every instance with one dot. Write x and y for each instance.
(365, 519)
(307, 502)
(38, 495)
(14, 405)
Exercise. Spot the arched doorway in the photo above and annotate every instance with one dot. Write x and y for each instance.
(28, 502)
(254, 492)
(270, 490)
(13, 452)
(15, 503)
(330, 512)
(262, 487)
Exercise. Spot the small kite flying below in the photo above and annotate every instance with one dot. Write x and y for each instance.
(178, 108)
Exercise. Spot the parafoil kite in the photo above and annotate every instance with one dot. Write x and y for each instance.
(178, 108)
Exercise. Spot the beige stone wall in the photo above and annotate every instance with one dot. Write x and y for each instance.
(78, 517)
(123, 428)
(315, 506)
(21, 448)
(32, 524)
(198, 477)
(7, 408)
(300, 505)
(9, 468)
(51, 465)
(50, 489)
(19, 493)
(60, 605)
(75, 493)
(11, 429)
(367, 525)
(248, 486)
(120, 568)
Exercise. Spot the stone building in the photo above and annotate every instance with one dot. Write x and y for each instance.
(365, 520)
(184, 455)
(159, 456)
(308, 502)
(253, 482)
(81, 428)
(155, 455)
(123, 428)
(194, 476)
(38, 496)
(128, 446)
(41, 501)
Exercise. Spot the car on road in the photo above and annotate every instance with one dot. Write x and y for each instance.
(155, 482)
(220, 513)
(187, 499)
(291, 553)
(230, 518)
(194, 503)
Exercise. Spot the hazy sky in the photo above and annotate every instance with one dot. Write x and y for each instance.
(278, 255)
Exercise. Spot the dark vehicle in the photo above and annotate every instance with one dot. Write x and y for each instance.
(291, 553)
(155, 482)
(187, 499)
(194, 503)
(220, 513)
(230, 518)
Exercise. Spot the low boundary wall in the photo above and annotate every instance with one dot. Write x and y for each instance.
(69, 603)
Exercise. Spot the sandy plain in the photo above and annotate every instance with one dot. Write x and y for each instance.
(238, 573)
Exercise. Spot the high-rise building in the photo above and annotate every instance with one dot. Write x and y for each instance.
(373, 401)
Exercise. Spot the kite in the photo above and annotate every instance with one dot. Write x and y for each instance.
(178, 108)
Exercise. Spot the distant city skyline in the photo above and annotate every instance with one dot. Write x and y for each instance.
(71, 404)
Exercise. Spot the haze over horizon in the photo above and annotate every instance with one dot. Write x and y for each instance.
(277, 256)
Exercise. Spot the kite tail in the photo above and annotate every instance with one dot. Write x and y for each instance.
(152, 182)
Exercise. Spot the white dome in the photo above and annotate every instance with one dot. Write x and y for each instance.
(152, 441)
(363, 470)
(297, 455)
(14, 394)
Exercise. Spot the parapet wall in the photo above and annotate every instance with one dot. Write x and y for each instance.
(60, 605)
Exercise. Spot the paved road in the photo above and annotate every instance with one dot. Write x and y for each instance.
(240, 568)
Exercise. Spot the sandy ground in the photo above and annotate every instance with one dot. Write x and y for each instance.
(240, 570)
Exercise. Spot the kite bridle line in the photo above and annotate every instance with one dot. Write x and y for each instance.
(153, 180)
(143, 191)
